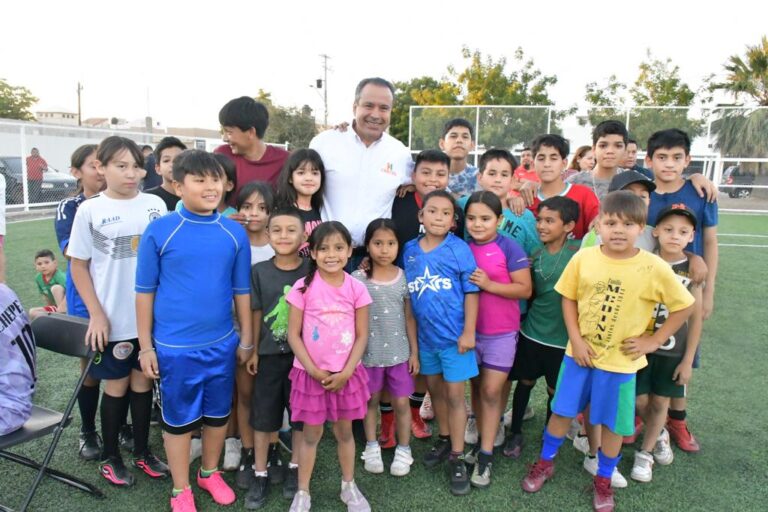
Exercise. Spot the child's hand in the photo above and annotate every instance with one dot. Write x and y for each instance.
(149, 366)
(466, 342)
(480, 279)
(516, 204)
(404, 189)
(528, 191)
(582, 353)
(335, 381)
(252, 364)
(240, 218)
(319, 375)
(365, 264)
(413, 365)
(638, 346)
(97, 335)
(683, 373)
(244, 355)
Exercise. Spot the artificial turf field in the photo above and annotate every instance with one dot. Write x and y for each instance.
(728, 413)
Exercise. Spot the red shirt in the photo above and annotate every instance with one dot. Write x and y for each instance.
(35, 167)
(522, 174)
(265, 169)
(589, 206)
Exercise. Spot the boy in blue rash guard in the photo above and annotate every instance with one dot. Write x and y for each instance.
(195, 358)
(438, 265)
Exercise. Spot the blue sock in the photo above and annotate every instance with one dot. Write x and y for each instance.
(550, 445)
(606, 464)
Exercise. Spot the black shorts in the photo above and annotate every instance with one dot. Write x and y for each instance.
(117, 360)
(534, 360)
(272, 393)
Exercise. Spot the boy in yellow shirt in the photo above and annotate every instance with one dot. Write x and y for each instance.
(608, 292)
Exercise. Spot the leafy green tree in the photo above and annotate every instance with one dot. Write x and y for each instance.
(15, 102)
(741, 133)
(288, 124)
(658, 84)
(427, 123)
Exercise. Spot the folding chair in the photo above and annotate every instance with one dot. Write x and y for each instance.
(64, 335)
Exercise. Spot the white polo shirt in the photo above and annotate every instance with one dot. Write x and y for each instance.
(360, 181)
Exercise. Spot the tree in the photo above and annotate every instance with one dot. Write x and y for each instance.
(288, 124)
(744, 133)
(484, 81)
(15, 102)
(658, 84)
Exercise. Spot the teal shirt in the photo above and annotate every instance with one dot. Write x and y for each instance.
(521, 229)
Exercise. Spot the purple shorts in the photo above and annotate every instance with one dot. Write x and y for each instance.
(394, 379)
(496, 351)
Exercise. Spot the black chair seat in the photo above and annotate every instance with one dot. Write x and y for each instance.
(41, 423)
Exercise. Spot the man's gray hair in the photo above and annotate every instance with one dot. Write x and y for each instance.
(374, 81)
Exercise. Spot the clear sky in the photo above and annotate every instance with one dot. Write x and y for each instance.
(181, 61)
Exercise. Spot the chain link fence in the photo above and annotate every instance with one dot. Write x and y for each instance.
(35, 158)
(730, 144)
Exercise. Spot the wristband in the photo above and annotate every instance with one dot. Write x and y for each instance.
(144, 351)
(249, 347)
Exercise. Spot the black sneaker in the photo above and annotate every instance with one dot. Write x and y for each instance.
(459, 477)
(286, 440)
(114, 470)
(126, 437)
(514, 446)
(438, 453)
(291, 484)
(275, 468)
(152, 466)
(257, 493)
(245, 475)
(90, 446)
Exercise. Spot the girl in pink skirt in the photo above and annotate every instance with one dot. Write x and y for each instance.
(328, 332)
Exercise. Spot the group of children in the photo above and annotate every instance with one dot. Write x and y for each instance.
(450, 291)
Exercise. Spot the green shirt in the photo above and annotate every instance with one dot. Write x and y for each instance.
(544, 323)
(45, 287)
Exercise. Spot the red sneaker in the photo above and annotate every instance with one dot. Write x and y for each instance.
(387, 437)
(420, 429)
(217, 488)
(602, 499)
(678, 431)
(638, 428)
(538, 473)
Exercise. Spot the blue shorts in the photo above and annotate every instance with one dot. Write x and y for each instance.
(453, 366)
(196, 385)
(117, 360)
(610, 395)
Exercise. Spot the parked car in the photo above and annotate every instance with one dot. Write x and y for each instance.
(740, 183)
(56, 185)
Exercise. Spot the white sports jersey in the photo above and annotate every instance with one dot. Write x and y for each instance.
(17, 363)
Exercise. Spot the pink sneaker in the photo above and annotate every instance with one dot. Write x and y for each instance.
(217, 488)
(183, 502)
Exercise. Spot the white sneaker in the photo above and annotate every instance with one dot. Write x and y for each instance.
(581, 443)
(353, 498)
(232, 447)
(372, 458)
(470, 433)
(425, 411)
(642, 469)
(499, 440)
(529, 413)
(574, 429)
(401, 464)
(302, 502)
(617, 479)
(662, 452)
(508, 418)
(195, 448)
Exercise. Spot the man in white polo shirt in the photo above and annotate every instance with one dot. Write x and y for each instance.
(364, 166)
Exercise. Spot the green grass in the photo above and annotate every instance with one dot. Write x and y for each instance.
(728, 413)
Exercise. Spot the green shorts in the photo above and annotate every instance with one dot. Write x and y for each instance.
(656, 378)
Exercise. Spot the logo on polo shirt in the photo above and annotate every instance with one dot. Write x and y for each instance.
(389, 169)
(428, 281)
(154, 214)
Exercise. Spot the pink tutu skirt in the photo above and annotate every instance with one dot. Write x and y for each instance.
(312, 404)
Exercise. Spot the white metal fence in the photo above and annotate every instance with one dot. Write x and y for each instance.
(51, 180)
(730, 144)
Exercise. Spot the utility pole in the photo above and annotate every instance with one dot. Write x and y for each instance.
(325, 86)
(79, 112)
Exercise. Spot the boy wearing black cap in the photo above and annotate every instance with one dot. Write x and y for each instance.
(670, 367)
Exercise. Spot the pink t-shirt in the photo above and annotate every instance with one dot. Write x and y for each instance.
(497, 314)
(328, 327)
